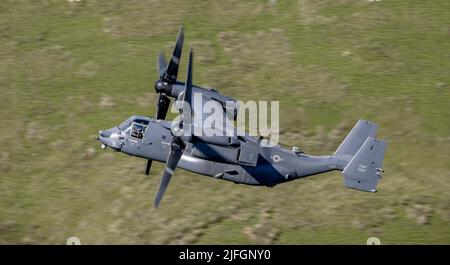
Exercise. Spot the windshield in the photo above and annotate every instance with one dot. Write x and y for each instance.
(125, 125)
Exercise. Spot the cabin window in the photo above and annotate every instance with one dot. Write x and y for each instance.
(138, 129)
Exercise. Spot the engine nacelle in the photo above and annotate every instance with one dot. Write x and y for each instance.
(220, 140)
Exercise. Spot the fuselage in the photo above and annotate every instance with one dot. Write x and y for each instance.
(249, 161)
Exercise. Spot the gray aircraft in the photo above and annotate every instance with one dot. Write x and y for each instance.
(239, 158)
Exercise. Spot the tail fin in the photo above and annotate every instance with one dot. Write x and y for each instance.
(355, 139)
(365, 168)
(361, 156)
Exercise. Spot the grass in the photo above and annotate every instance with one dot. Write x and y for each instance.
(68, 69)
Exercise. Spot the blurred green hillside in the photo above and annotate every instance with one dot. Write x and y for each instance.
(71, 68)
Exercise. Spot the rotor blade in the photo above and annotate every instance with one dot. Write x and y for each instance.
(187, 96)
(175, 154)
(162, 105)
(149, 166)
(172, 69)
(162, 64)
(188, 85)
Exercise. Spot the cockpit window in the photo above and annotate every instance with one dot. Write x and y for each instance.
(138, 128)
(125, 125)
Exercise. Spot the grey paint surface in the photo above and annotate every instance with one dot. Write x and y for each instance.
(274, 164)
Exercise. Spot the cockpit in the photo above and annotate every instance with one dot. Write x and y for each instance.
(134, 127)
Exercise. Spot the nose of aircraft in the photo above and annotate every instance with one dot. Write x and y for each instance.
(107, 138)
(105, 134)
(103, 138)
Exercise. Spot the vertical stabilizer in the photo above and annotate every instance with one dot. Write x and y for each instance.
(355, 139)
(364, 170)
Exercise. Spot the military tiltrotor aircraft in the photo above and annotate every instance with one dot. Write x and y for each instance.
(238, 158)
